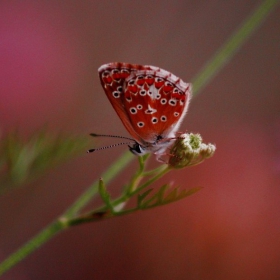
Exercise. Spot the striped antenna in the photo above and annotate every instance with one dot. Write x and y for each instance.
(110, 146)
(111, 136)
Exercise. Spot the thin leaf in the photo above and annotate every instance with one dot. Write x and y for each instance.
(105, 194)
(172, 195)
(141, 197)
(23, 160)
(161, 193)
(156, 199)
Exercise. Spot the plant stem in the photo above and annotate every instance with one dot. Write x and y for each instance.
(31, 246)
(107, 176)
(61, 223)
(105, 212)
(230, 47)
(150, 181)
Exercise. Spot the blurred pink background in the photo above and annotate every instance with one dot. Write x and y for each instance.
(49, 55)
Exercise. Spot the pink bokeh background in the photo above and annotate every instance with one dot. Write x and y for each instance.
(49, 55)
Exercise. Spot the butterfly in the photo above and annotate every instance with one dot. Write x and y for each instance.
(150, 102)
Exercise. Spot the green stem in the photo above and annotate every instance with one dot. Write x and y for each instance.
(107, 176)
(31, 246)
(104, 212)
(200, 81)
(225, 53)
(150, 181)
(137, 176)
(61, 223)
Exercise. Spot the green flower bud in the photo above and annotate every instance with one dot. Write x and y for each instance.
(189, 150)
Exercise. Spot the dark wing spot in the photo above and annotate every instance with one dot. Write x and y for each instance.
(142, 92)
(133, 110)
(172, 102)
(154, 120)
(116, 94)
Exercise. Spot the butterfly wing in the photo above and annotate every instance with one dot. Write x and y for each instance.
(112, 77)
(150, 101)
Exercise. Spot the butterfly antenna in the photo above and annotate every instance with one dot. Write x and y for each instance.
(112, 136)
(110, 146)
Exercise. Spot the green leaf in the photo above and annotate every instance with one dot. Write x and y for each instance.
(172, 195)
(142, 161)
(23, 160)
(156, 199)
(105, 194)
(141, 197)
(175, 195)
(161, 193)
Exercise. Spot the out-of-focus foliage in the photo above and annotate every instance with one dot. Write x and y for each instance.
(23, 160)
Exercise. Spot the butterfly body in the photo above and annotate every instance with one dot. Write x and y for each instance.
(151, 103)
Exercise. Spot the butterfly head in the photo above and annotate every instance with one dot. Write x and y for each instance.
(138, 149)
(157, 147)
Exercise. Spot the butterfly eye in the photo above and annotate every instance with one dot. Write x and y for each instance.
(139, 107)
(163, 101)
(137, 149)
(176, 114)
(120, 89)
(163, 118)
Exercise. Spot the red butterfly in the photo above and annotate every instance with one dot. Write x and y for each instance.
(151, 103)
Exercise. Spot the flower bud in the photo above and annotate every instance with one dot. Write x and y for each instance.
(189, 150)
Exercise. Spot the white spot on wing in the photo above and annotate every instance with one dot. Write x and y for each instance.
(150, 110)
(133, 110)
(140, 124)
(154, 120)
